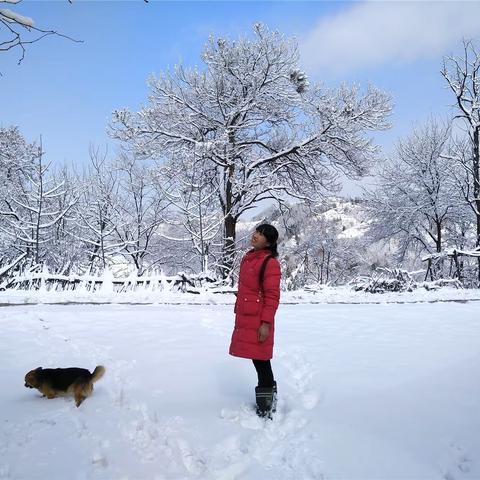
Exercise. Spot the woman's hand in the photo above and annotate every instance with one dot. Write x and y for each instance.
(263, 332)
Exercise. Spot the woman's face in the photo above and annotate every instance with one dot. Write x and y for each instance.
(259, 241)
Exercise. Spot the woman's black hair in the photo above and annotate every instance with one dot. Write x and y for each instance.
(271, 234)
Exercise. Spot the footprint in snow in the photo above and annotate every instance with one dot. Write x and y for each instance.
(246, 416)
(460, 463)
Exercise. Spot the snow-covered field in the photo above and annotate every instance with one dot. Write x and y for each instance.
(366, 391)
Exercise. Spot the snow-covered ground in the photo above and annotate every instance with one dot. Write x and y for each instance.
(372, 391)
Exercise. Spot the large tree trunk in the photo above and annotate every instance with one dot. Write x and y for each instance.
(438, 240)
(230, 224)
(438, 246)
(476, 190)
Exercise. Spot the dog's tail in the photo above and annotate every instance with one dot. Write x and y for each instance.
(98, 373)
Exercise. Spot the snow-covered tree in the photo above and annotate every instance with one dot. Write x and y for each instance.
(194, 207)
(462, 74)
(141, 210)
(16, 160)
(64, 253)
(414, 201)
(34, 210)
(264, 132)
(97, 214)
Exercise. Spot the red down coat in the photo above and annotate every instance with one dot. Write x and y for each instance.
(252, 307)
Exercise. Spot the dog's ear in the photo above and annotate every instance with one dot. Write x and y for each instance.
(38, 369)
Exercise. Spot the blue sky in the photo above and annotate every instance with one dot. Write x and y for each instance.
(66, 91)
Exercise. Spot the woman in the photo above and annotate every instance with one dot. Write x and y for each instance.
(257, 301)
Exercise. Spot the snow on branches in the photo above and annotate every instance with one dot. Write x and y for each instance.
(17, 31)
(262, 131)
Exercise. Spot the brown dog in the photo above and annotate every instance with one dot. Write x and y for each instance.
(54, 382)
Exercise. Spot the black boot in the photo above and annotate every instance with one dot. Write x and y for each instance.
(274, 402)
(266, 398)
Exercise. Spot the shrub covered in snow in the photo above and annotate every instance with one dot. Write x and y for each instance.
(385, 280)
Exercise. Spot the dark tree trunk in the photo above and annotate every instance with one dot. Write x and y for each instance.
(476, 189)
(230, 224)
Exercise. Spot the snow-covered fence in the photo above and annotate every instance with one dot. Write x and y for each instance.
(458, 268)
(39, 278)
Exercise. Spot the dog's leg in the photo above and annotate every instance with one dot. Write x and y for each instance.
(81, 391)
(48, 392)
(78, 394)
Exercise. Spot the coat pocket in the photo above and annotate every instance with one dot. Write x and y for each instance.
(251, 307)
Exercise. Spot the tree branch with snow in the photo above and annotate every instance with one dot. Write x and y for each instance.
(18, 31)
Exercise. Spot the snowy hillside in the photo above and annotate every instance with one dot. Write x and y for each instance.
(348, 216)
(325, 244)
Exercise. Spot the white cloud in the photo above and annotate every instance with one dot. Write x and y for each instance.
(374, 33)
